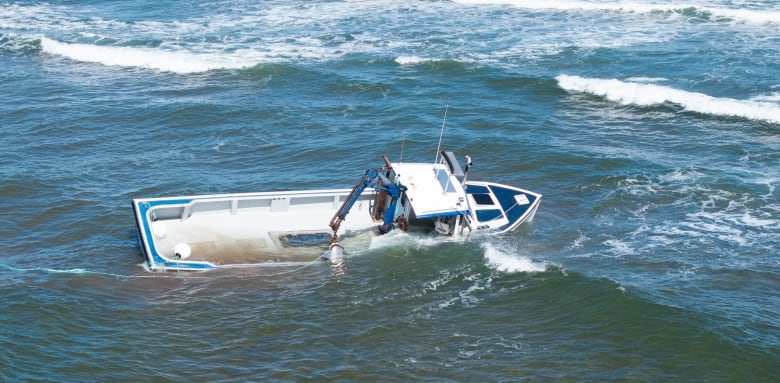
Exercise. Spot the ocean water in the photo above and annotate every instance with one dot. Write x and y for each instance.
(651, 128)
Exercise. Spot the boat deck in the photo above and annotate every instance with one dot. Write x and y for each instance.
(249, 229)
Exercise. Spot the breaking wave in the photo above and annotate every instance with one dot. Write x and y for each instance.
(500, 260)
(150, 58)
(413, 60)
(745, 15)
(628, 93)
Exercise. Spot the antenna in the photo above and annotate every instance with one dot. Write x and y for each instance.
(403, 141)
(441, 134)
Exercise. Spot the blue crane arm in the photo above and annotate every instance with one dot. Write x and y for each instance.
(352, 198)
(375, 179)
(394, 190)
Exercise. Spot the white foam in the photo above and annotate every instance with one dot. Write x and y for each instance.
(769, 182)
(467, 297)
(647, 79)
(619, 248)
(746, 15)
(412, 60)
(22, 17)
(46, 270)
(567, 5)
(757, 222)
(683, 272)
(510, 263)
(163, 60)
(579, 241)
(681, 176)
(390, 239)
(772, 97)
(650, 94)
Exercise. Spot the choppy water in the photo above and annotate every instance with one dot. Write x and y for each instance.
(651, 128)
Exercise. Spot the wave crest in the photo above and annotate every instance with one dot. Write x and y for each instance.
(509, 263)
(166, 61)
(741, 14)
(628, 93)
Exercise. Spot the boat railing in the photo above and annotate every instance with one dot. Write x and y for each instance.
(235, 204)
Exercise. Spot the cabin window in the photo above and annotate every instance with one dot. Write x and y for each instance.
(476, 189)
(444, 180)
(482, 199)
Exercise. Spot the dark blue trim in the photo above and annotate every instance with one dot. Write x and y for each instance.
(488, 215)
(506, 198)
(475, 189)
(153, 259)
(449, 213)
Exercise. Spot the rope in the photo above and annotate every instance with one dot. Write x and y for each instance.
(80, 271)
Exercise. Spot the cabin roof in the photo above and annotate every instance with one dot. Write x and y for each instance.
(432, 189)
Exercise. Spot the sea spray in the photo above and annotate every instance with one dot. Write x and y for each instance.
(504, 261)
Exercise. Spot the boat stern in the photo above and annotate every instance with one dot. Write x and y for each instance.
(149, 231)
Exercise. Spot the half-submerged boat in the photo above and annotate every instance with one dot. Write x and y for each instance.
(250, 229)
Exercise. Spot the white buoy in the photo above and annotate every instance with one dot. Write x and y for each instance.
(182, 250)
(159, 230)
(335, 252)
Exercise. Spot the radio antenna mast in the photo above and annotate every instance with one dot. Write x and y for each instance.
(403, 141)
(438, 148)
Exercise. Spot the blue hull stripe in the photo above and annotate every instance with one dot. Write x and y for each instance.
(154, 260)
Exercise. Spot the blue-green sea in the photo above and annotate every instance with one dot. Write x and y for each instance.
(652, 128)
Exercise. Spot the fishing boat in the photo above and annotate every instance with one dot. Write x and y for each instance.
(250, 229)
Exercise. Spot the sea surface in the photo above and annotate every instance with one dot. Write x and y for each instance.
(651, 127)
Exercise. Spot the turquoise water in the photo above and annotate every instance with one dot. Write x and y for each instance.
(652, 129)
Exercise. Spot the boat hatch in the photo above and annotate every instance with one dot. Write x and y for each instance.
(432, 190)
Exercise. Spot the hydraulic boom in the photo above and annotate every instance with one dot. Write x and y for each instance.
(383, 181)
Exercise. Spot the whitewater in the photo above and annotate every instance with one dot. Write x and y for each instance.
(651, 127)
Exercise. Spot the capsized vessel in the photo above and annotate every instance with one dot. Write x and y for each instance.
(250, 229)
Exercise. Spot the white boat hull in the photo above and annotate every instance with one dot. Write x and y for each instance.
(241, 229)
(248, 229)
